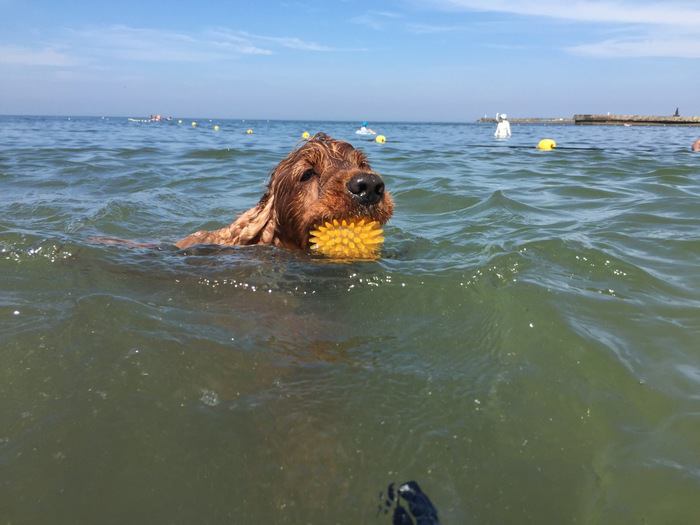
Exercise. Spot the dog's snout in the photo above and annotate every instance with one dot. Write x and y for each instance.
(368, 187)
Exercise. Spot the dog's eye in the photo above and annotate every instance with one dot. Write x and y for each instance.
(307, 175)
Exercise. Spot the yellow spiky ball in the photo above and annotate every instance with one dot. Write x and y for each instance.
(348, 239)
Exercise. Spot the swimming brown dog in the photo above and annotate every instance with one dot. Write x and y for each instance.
(322, 180)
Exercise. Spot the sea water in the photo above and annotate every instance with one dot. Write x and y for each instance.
(527, 349)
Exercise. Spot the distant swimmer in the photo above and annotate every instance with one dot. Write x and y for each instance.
(364, 130)
(503, 128)
(696, 146)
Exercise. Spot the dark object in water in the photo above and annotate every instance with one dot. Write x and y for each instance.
(421, 510)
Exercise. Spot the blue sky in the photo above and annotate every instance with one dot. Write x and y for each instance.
(438, 60)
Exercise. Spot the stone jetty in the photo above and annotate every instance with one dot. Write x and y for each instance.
(634, 120)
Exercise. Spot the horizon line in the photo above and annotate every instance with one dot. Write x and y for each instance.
(392, 121)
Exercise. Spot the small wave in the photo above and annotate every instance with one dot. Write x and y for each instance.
(130, 153)
(578, 269)
(429, 201)
(498, 201)
(222, 153)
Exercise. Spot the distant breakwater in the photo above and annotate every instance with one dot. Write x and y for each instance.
(634, 120)
(604, 120)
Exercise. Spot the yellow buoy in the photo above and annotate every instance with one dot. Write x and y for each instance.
(216, 127)
(306, 135)
(546, 144)
(347, 239)
(380, 139)
(249, 131)
(194, 124)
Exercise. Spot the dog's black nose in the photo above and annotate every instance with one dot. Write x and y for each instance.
(368, 187)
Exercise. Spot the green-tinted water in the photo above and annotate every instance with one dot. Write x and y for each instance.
(528, 349)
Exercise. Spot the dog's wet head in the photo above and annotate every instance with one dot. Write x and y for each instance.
(322, 180)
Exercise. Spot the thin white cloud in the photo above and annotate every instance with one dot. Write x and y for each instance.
(658, 47)
(288, 42)
(153, 45)
(98, 46)
(376, 20)
(427, 29)
(46, 56)
(298, 43)
(234, 43)
(212, 44)
(675, 13)
(387, 14)
(651, 28)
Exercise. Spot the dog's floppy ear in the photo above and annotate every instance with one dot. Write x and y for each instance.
(257, 225)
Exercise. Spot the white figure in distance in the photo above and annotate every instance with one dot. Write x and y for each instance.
(503, 127)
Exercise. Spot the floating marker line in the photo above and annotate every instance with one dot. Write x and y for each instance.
(514, 146)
